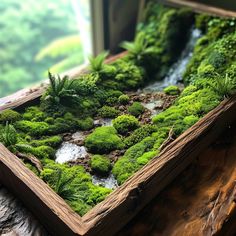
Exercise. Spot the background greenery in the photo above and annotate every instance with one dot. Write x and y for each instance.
(35, 36)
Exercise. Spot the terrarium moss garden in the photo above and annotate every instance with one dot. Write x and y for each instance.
(106, 114)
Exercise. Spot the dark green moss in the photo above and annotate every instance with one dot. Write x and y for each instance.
(108, 112)
(123, 99)
(136, 109)
(85, 124)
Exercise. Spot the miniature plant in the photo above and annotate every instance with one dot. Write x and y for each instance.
(97, 65)
(103, 140)
(136, 109)
(138, 48)
(224, 87)
(108, 112)
(100, 165)
(8, 135)
(63, 186)
(61, 91)
(125, 123)
(172, 90)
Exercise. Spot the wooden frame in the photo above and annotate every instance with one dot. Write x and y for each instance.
(126, 201)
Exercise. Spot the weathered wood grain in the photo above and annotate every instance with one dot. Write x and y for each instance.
(201, 8)
(124, 203)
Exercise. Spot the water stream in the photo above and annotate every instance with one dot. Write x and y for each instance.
(174, 75)
(16, 220)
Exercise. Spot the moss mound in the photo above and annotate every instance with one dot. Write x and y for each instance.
(103, 140)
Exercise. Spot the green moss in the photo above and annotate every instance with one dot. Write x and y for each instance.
(33, 128)
(139, 134)
(9, 116)
(34, 114)
(136, 109)
(85, 124)
(103, 140)
(123, 99)
(146, 157)
(41, 152)
(125, 123)
(53, 141)
(100, 165)
(75, 186)
(108, 112)
(32, 168)
(172, 90)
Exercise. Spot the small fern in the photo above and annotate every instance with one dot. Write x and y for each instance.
(97, 63)
(139, 47)
(224, 87)
(8, 135)
(61, 90)
(63, 186)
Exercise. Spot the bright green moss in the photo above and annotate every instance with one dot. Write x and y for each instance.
(146, 157)
(136, 109)
(85, 124)
(123, 99)
(53, 141)
(40, 152)
(108, 112)
(9, 116)
(74, 185)
(139, 134)
(190, 120)
(125, 123)
(34, 114)
(36, 129)
(172, 90)
(100, 165)
(103, 140)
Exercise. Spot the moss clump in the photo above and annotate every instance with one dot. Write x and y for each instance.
(123, 99)
(108, 112)
(74, 185)
(125, 123)
(146, 157)
(34, 114)
(9, 116)
(100, 165)
(32, 128)
(139, 134)
(85, 124)
(41, 152)
(136, 109)
(53, 141)
(172, 90)
(103, 140)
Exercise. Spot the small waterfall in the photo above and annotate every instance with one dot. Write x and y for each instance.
(174, 75)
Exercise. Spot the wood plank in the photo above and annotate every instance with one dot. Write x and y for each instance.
(125, 202)
(51, 210)
(201, 8)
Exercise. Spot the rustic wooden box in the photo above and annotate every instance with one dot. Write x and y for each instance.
(126, 201)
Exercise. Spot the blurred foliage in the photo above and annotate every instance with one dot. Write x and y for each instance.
(28, 26)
